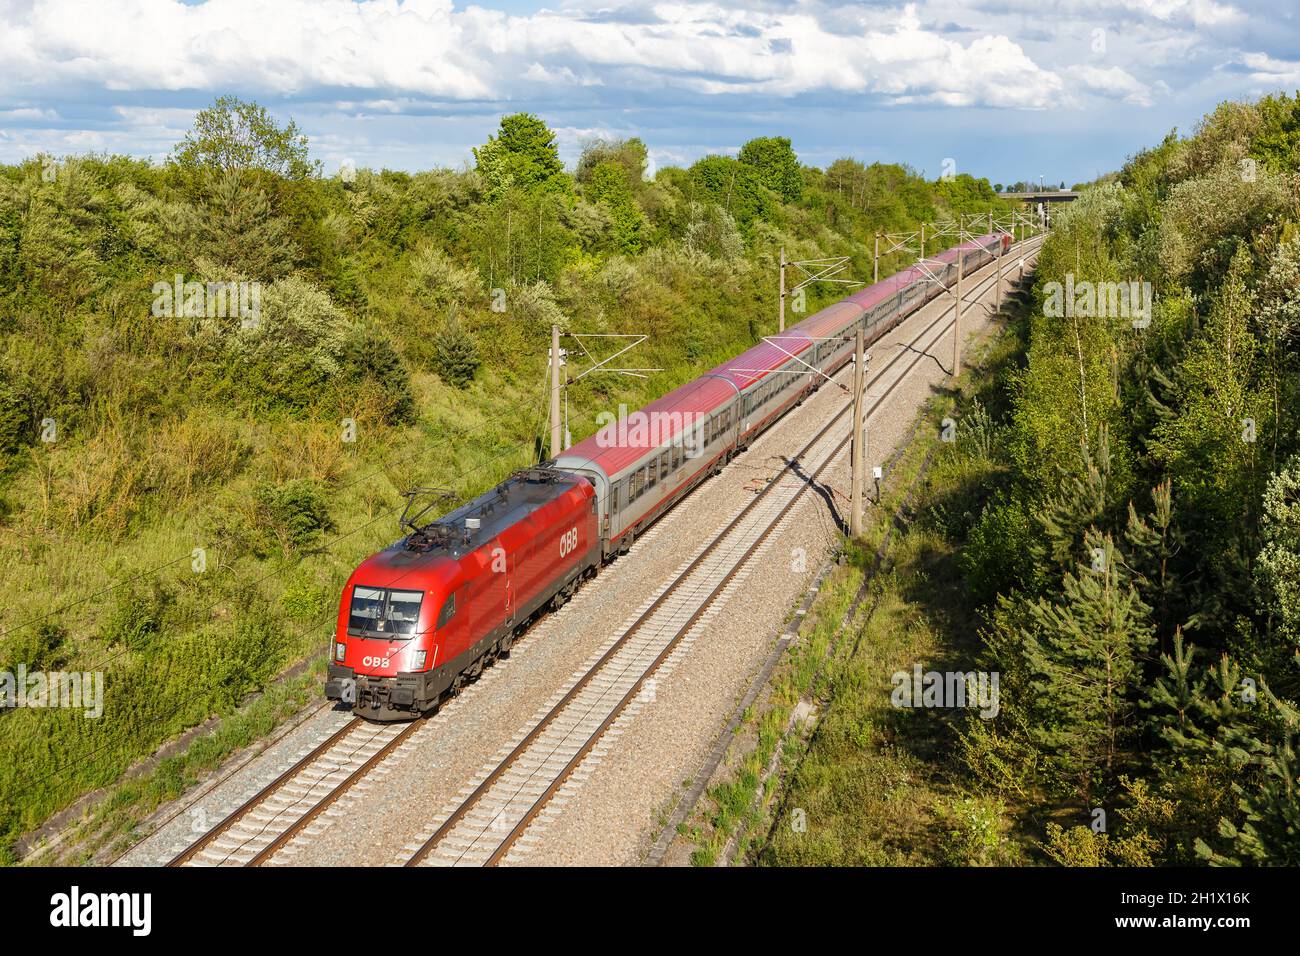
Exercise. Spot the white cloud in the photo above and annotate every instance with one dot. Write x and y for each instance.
(1113, 82)
(28, 114)
(410, 84)
(1277, 73)
(427, 50)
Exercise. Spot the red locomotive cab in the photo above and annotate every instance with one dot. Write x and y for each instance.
(431, 611)
(389, 613)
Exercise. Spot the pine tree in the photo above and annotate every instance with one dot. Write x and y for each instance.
(1277, 572)
(455, 353)
(1085, 649)
(1154, 546)
(247, 236)
(1231, 760)
(1267, 831)
(1081, 504)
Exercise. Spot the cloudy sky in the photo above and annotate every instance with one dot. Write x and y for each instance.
(1009, 89)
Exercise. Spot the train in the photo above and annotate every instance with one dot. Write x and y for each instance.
(424, 616)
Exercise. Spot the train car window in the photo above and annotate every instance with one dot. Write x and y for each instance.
(367, 608)
(677, 457)
(663, 466)
(404, 610)
(637, 486)
(652, 475)
(384, 611)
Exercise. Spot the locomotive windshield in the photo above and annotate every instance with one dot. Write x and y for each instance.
(384, 612)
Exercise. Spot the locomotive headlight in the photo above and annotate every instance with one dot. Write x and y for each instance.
(417, 659)
(340, 650)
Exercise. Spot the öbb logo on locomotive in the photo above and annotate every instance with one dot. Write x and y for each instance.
(427, 613)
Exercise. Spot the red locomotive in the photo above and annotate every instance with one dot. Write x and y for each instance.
(428, 613)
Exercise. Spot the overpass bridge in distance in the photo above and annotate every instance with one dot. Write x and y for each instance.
(1042, 195)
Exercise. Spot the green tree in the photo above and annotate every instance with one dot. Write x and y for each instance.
(234, 134)
(245, 235)
(608, 187)
(456, 355)
(1085, 649)
(1155, 544)
(736, 187)
(1278, 568)
(712, 231)
(521, 238)
(522, 155)
(777, 165)
(1232, 759)
(630, 155)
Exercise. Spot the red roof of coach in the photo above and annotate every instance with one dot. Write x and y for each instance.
(664, 419)
(759, 360)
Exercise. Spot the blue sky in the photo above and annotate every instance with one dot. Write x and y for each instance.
(1009, 89)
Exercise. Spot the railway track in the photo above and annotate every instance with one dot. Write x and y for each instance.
(490, 821)
(263, 824)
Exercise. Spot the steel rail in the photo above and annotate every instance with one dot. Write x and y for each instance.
(539, 804)
(289, 775)
(333, 796)
(263, 795)
(504, 765)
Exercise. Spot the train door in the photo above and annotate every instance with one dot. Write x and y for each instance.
(510, 591)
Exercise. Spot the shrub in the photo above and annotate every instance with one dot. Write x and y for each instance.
(439, 282)
(305, 600)
(1077, 846)
(998, 555)
(976, 831)
(137, 616)
(41, 646)
(712, 231)
(455, 353)
(295, 513)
